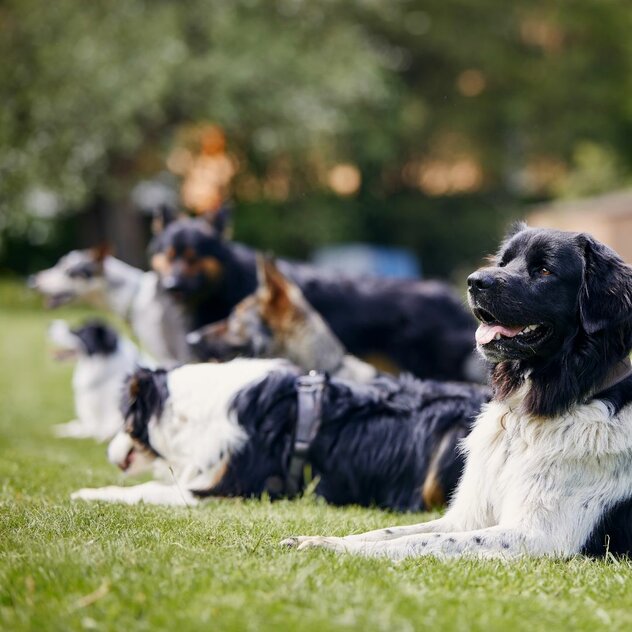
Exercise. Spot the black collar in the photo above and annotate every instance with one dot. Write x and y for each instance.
(309, 391)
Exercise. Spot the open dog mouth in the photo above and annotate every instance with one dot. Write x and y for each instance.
(56, 300)
(491, 330)
(61, 355)
(128, 460)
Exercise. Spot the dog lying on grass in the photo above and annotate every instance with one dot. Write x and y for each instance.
(103, 281)
(103, 361)
(278, 322)
(549, 461)
(230, 430)
(415, 326)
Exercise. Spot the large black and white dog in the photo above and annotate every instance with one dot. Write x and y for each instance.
(414, 326)
(549, 461)
(228, 430)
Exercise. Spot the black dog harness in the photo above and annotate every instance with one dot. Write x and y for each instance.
(309, 393)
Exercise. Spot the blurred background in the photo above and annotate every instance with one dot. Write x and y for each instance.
(330, 127)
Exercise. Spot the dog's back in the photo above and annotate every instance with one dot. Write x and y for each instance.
(420, 327)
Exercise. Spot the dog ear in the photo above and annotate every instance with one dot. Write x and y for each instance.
(515, 228)
(162, 216)
(100, 252)
(276, 288)
(221, 221)
(107, 337)
(605, 297)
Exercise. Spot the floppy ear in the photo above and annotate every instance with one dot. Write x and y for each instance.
(107, 337)
(605, 298)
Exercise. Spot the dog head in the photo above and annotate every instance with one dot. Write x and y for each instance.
(555, 307)
(144, 396)
(275, 321)
(77, 275)
(189, 255)
(94, 338)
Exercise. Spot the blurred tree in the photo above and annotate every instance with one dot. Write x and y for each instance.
(422, 122)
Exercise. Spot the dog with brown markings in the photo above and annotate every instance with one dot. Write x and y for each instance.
(278, 322)
(417, 326)
(227, 429)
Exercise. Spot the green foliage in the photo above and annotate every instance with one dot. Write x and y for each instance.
(81, 566)
(93, 93)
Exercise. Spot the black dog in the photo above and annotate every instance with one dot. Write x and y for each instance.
(390, 443)
(549, 461)
(420, 327)
(555, 308)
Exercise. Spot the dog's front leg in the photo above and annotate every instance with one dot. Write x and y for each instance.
(382, 535)
(493, 542)
(152, 493)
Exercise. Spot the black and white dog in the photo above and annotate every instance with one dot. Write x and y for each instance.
(549, 461)
(398, 324)
(229, 430)
(103, 361)
(103, 281)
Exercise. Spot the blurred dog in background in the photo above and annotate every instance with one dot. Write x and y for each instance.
(103, 281)
(103, 361)
(416, 326)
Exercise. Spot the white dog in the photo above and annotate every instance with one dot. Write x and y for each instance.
(103, 361)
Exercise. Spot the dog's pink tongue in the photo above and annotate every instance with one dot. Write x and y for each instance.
(486, 333)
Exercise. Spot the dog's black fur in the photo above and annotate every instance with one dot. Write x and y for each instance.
(580, 291)
(97, 338)
(420, 327)
(378, 444)
(144, 395)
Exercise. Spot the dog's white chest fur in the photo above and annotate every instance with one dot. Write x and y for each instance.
(533, 472)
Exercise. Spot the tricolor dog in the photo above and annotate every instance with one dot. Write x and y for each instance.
(103, 281)
(401, 324)
(278, 322)
(249, 426)
(103, 361)
(549, 461)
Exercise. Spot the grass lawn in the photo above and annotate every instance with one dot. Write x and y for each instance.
(73, 566)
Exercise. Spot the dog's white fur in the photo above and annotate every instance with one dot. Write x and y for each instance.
(134, 295)
(195, 435)
(530, 487)
(97, 382)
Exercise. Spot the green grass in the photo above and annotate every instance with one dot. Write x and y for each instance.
(74, 566)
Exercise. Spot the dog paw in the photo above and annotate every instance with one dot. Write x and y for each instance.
(293, 541)
(71, 430)
(90, 493)
(320, 542)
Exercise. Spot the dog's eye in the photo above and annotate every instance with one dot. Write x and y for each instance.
(544, 271)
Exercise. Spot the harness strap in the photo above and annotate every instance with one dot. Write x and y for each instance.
(309, 391)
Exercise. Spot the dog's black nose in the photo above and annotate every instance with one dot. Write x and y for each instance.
(480, 280)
